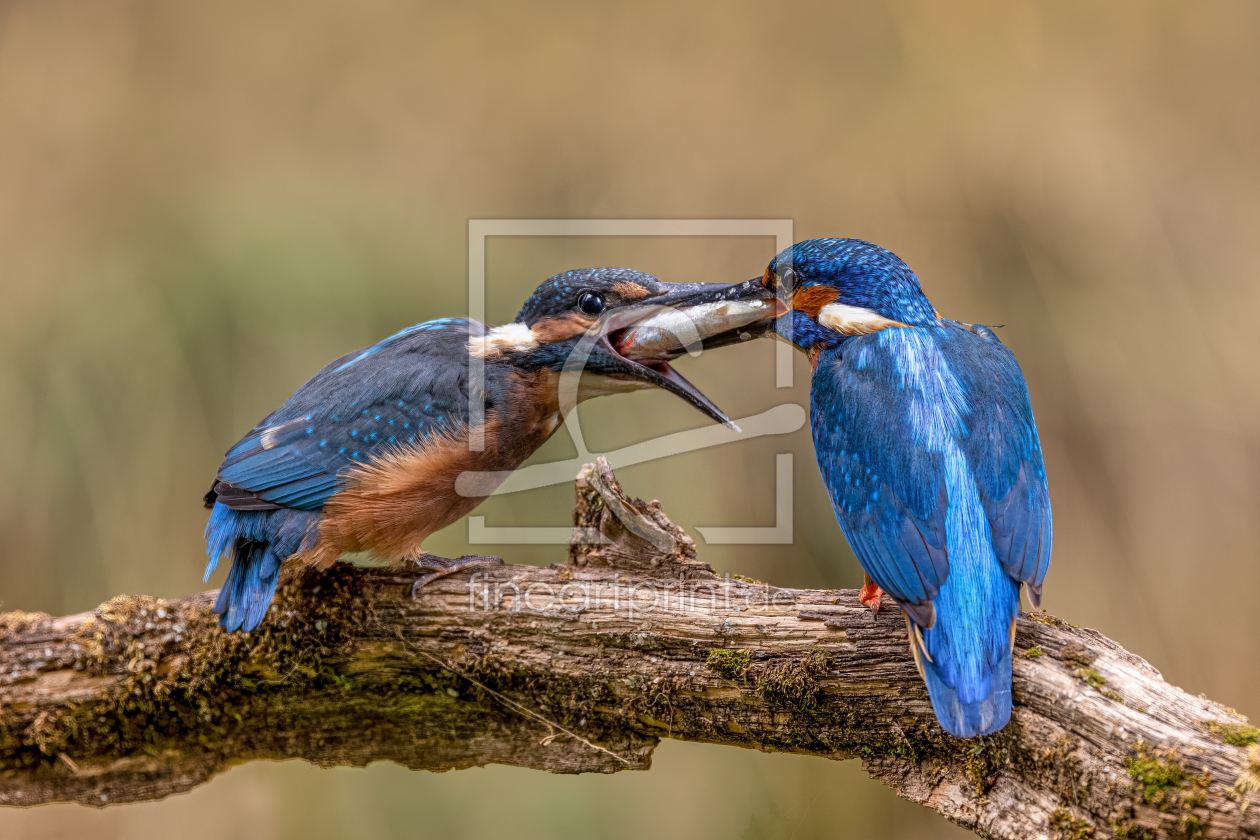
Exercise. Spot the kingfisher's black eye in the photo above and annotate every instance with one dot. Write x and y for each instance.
(590, 303)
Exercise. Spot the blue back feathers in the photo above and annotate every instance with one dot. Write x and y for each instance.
(926, 442)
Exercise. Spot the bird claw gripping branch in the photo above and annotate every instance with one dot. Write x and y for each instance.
(440, 567)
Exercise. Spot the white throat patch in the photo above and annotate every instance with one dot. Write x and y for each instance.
(509, 337)
(854, 320)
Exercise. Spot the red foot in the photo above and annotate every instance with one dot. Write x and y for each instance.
(870, 595)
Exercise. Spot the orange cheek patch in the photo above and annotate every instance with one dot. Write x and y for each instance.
(562, 328)
(812, 299)
(630, 291)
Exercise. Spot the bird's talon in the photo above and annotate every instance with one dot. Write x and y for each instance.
(440, 567)
(421, 582)
(870, 595)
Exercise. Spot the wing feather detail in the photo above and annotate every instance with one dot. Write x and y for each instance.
(887, 480)
(391, 396)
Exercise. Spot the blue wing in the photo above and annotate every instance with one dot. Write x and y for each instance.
(888, 493)
(1003, 452)
(399, 392)
(879, 450)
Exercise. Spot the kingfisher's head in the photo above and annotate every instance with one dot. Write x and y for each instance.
(587, 321)
(837, 288)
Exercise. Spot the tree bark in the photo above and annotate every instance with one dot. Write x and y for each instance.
(582, 667)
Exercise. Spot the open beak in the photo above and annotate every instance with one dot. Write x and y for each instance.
(685, 318)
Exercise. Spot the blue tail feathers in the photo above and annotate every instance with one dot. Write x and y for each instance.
(969, 674)
(250, 586)
(974, 708)
(257, 542)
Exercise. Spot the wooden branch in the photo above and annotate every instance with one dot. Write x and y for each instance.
(582, 667)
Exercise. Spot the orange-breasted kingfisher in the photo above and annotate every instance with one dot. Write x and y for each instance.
(364, 457)
(925, 439)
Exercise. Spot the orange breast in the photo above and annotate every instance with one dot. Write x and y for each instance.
(391, 505)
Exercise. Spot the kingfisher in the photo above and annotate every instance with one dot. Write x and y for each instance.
(365, 456)
(925, 439)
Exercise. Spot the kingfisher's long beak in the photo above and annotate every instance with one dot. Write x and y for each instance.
(685, 317)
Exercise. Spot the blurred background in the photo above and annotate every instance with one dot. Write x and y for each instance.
(203, 203)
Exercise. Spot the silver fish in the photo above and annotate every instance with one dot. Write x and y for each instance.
(669, 333)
